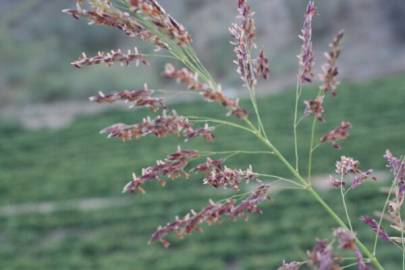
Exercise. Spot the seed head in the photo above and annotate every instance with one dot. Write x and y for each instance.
(379, 230)
(306, 57)
(162, 126)
(210, 214)
(172, 167)
(243, 33)
(136, 98)
(111, 57)
(315, 107)
(330, 70)
(217, 175)
(337, 134)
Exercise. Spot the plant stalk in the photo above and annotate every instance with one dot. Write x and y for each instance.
(321, 201)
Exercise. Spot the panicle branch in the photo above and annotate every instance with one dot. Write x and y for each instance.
(377, 228)
(244, 36)
(184, 76)
(162, 126)
(136, 98)
(212, 214)
(347, 241)
(152, 11)
(330, 70)
(218, 175)
(115, 56)
(103, 12)
(191, 81)
(172, 167)
(315, 107)
(397, 166)
(306, 57)
(322, 255)
(337, 134)
(347, 166)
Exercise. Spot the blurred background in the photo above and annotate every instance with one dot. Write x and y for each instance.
(60, 181)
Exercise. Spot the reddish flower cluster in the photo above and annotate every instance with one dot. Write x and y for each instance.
(349, 167)
(395, 204)
(205, 132)
(162, 126)
(321, 256)
(211, 214)
(172, 167)
(104, 13)
(379, 230)
(330, 69)
(218, 175)
(213, 95)
(315, 107)
(138, 98)
(153, 12)
(262, 66)
(396, 165)
(111, 57)
(244, 35)
(339, 133)
(232, 105)
(184, 76)
(347, 241)
(306, 57)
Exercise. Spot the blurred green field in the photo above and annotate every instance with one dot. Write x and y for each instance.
(77, 163)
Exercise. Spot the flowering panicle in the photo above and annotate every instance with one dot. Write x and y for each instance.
(244, 35)
(189, 79)
(218, 175)
(115, 56)
(306, 57)
(104, 13)
(397, 166)
(339, 133)
(172, 167)
(152, 11)
(162, 126)
(329, 69)
(138, 98)
(321, 256)
(347, 166)
(184, 76)
(347, 241)
(262, 66)
(372, 223)
(250, 204)
(315, 107)
(218, 96)
(211, 214)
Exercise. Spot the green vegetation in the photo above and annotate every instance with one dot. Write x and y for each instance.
(77, 163)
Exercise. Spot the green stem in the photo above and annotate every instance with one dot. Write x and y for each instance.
(322, 202)
(297, 99)
(311, 148)
(343, 196)
(312, 142)
(222, 122)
